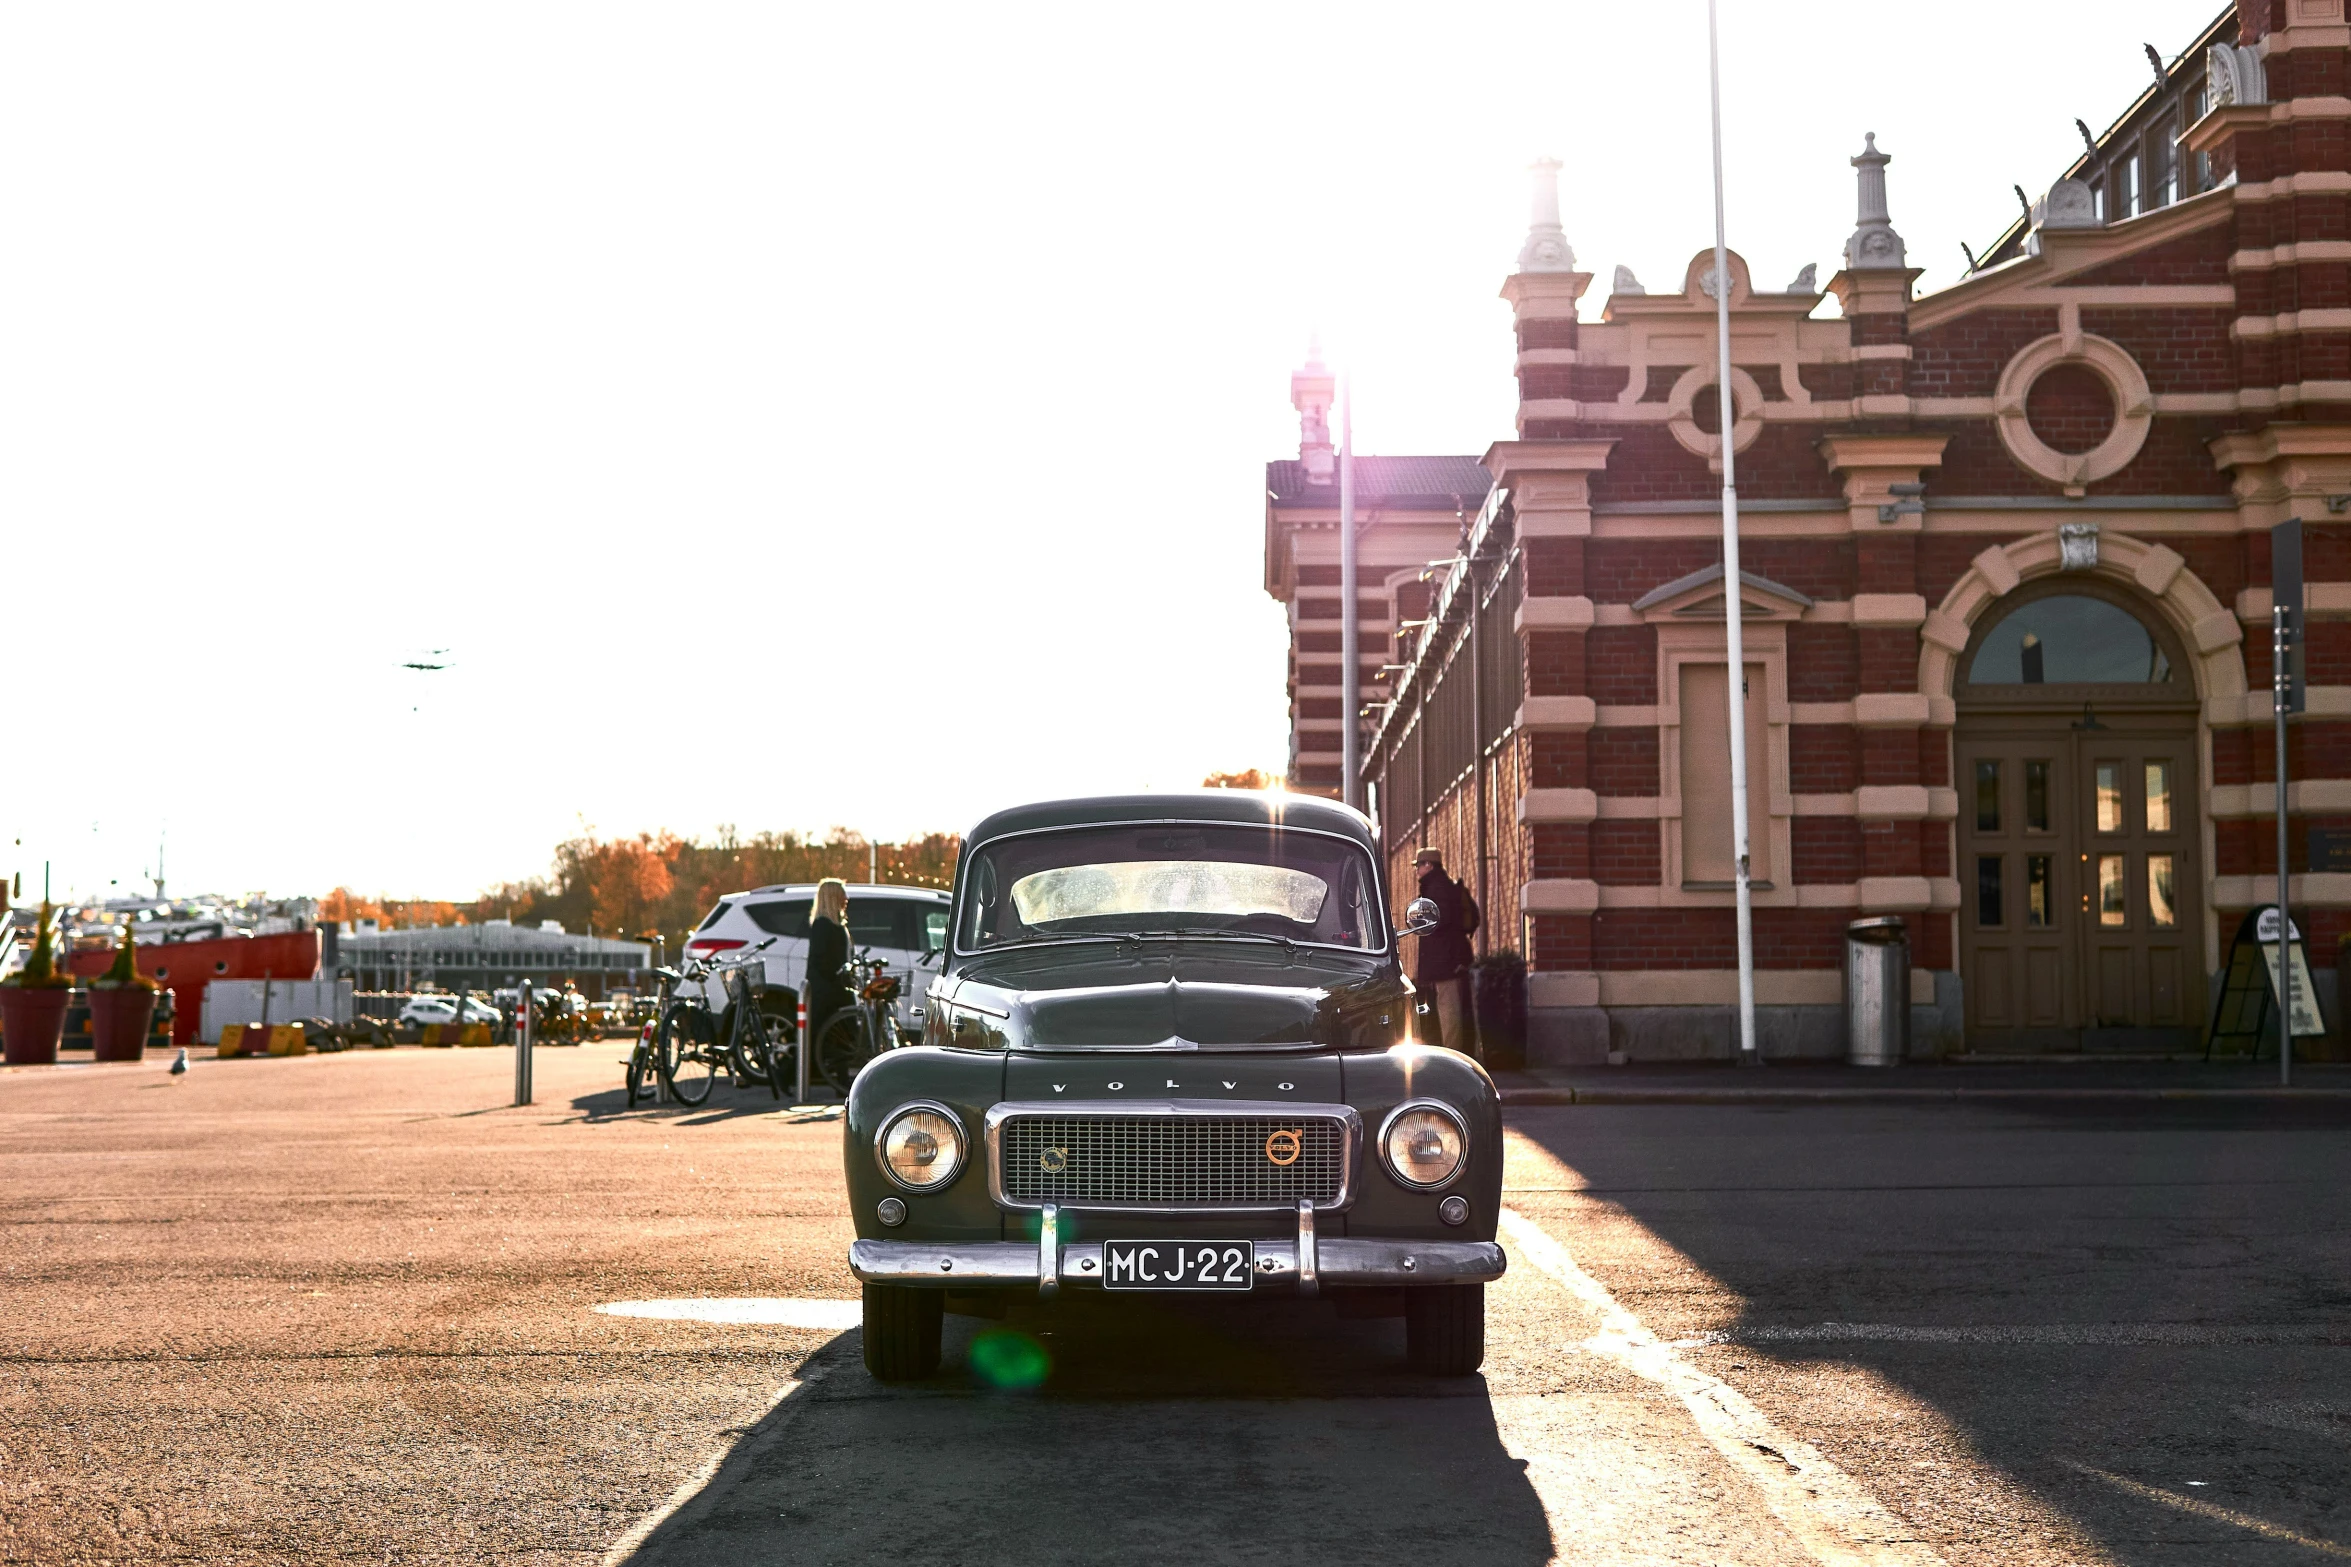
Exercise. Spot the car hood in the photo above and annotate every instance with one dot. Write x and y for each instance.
(1175, 1000)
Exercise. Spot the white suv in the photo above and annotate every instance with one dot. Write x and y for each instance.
(421, 1010)
(906, 927)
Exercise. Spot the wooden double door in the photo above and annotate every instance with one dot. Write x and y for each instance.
(2081, 921)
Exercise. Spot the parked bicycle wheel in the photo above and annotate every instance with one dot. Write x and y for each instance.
(841, 1048)
(756, 1054)
(641, 1068)
(687, 1053)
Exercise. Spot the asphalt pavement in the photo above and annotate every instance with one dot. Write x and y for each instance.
(347, 1307)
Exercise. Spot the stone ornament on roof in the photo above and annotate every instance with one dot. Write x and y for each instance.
(1311, 389)
(1626, 283)
(2069, 205)
(1546, 249)
(1874, 242)
(2236, 74)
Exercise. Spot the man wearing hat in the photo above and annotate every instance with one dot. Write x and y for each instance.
(1440, 968)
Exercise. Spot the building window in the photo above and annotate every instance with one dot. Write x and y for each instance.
(2098, 200)
(1706, 777)
(2162, 167)
(2199, 164)
(2126, 187)
(2069, 639)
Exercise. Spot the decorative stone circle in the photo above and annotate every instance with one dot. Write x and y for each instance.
(2134, 410)
(1682, 420)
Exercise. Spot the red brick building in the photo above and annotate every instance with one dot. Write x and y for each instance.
(2006, 554)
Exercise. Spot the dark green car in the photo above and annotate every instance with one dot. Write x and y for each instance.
(1170, 1051)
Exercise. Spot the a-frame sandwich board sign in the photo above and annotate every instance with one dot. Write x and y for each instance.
(2247, 1002)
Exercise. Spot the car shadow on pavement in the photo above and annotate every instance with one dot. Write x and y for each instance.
(2076, 1290)
(1272, 1432)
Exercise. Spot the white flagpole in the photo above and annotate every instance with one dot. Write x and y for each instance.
(1351, 679)
(1734, 632)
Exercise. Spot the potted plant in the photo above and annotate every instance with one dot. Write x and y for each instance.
(122, 1006)
(32, 1003)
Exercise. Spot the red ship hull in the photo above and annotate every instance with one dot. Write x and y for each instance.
(185, 968)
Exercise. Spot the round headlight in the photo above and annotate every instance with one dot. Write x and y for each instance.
(1424, 1145)
(922, 1147)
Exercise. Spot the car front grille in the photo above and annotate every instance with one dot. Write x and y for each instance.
(1205, 1160)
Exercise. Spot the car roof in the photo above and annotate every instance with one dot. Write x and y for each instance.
(1266, 807)
(857, 889)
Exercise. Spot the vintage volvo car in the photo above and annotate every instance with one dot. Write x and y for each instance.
(1170, 1049)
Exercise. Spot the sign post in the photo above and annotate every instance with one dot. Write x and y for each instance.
(2285, 625)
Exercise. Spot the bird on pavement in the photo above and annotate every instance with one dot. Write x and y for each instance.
(179, 1063)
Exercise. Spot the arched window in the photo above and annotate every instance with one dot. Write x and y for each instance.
(2069, 639)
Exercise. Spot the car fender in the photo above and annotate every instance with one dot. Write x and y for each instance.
(966, 1082)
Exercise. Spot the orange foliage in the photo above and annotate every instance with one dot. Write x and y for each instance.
(1254, 778)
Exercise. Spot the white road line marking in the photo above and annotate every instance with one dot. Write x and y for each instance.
(2219, 1514)
(2066, 1333)
(767, 1311)
(1829, 1512)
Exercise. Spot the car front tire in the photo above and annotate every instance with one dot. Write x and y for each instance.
(1444, 1329)
(902, 1328)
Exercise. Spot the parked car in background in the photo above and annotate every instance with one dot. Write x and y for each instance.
(905, 927)
(422, 1010)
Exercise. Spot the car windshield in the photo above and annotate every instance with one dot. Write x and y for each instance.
(1172, 878)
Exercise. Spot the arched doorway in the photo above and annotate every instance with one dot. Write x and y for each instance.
(2081, 914)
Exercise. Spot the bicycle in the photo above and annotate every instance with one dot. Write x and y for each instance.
(644, 1065)
(860, 1031)
(752, 1053)
(683, 1046)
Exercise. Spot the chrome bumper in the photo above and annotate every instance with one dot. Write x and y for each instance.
(1331, 1260)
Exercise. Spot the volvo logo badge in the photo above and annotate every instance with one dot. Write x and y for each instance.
(1053, 1160)
(1282, 1148)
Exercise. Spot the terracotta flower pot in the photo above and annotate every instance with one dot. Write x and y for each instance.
(119, 1020)
(34, 1022)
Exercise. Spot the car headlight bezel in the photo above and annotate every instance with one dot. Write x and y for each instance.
(955, 1146)
(1397, 1169)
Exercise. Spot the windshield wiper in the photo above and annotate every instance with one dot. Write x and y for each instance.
(1213, 935)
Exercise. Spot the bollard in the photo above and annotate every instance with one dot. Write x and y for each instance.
(806, 1048)
(522, 1045)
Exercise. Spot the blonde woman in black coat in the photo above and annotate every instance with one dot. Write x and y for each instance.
(828, 954)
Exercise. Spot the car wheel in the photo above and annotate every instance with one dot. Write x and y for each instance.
(902, 1331)
(1445, 1329)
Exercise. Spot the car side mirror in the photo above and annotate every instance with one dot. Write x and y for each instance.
(1420, 915)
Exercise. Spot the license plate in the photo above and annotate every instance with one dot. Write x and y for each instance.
(1178, 1265)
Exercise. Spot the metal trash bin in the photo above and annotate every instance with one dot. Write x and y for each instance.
(1877, 991)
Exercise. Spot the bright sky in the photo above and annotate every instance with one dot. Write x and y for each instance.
(790, 415)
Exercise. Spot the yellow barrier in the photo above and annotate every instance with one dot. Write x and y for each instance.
(279, 1039)
(476, 1034)
(432, 1035)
